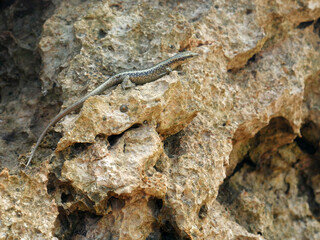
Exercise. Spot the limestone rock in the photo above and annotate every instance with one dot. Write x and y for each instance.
(123, 168)
(166, 105)
(226, 148)
(26, 209)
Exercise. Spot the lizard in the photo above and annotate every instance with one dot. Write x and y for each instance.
(127, 79)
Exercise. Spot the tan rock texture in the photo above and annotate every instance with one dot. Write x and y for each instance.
(27, 210)
(227, 147)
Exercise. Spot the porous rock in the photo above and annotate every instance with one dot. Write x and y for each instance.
(227, 149)
(26, 209)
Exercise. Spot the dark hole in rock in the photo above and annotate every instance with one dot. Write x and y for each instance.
(155, 204)
(100, 136)
(6, 3)
(316, 29)
(137, 125)
(78, 223)
(305, 146)
(63, 219)
(51, 187)
(310, 139)
(249, 11)
(246, 161)
(303, 25)
(203, 212)
(159, 203)
(9, 137)
(275, 142)
(252, 59)
(168, 232)
(116, 6)
(75, 224)
(227, 194)
(66, 197)
(158, 166)
(77, 148)
(102, 33)
(172, 145)
(113, 139)
(110, 48)
(306, 190)
(116, 203)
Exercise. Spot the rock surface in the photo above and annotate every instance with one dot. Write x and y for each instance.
(27, 210)
(226, 148)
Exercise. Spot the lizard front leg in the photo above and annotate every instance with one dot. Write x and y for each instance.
(126, 83)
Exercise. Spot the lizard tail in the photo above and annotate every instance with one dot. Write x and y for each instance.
(53, 122)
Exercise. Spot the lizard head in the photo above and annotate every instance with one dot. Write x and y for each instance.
(181, 58)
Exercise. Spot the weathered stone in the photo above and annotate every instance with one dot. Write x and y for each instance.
(26, 209)
(121, 168)
(165, 105)
(227, 150)
(135, 220)
(266, 198)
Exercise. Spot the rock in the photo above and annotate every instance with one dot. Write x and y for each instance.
(20, 196)
(226, 148)
(125, 168)
(166, 105)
